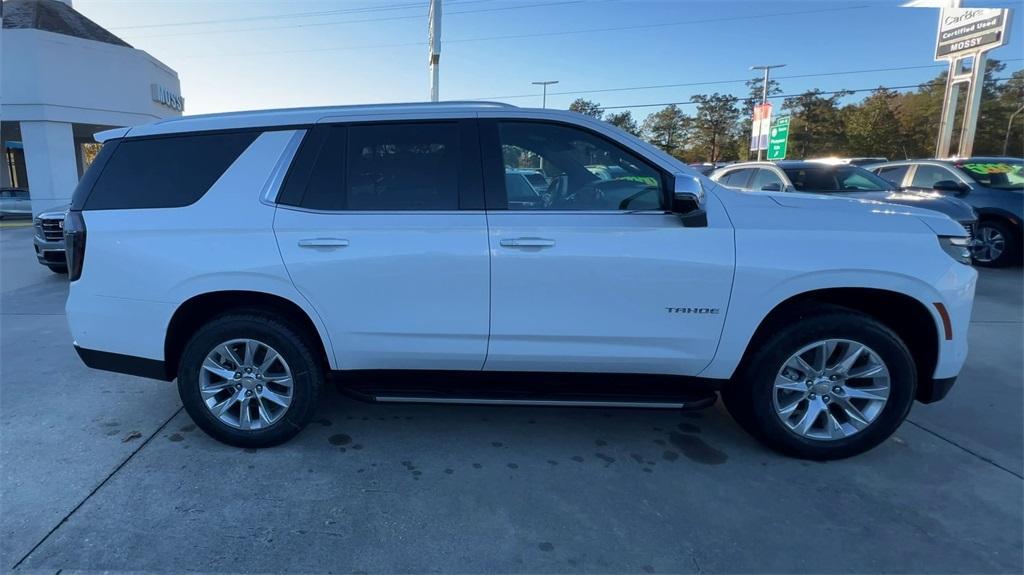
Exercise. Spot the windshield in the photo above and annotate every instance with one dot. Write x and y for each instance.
(1005, 175)
(824, 179)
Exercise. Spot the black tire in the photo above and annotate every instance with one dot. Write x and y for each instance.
(1011, 253)
(749, 396)
(58, 269)
(289, 342)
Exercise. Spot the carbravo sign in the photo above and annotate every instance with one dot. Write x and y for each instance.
(970, 30)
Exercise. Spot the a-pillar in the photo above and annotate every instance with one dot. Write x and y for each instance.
(50, 163)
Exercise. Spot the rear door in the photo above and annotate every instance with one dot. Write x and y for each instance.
(382, 229)
(766, 180)
(738, 178)
(925, 176)
(893, 174)
(598, 278)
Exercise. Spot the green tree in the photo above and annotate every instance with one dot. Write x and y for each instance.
(919, 112)
(714, 126)
(872, 128)
(587, 107)
(668, 129)
(623, 120)
(754, 89)
(1011, 99)
(816, 128)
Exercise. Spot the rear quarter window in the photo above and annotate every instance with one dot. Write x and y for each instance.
(165, 172)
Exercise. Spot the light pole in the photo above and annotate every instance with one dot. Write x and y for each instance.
(544, 101)
(1009, 127)
(434, 43)
(764, 92)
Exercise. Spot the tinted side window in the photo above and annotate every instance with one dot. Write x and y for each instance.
(925, 176)
(738, 178)
(558, 167)
(894, 174)
(166, 172)
(765, 178)
(325, 189)
(403, 167)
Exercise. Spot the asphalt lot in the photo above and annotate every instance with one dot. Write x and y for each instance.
(105, 472)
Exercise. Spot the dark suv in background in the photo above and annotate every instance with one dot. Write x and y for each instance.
(994, 186)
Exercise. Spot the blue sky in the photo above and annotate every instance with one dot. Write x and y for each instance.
(375, 51)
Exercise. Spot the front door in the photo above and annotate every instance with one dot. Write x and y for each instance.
(598, 277)
(381, 236)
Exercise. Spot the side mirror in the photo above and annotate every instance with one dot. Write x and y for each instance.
(951, 186)
(772, 187)
(688, 201)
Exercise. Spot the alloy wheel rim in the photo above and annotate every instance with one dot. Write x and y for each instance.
(989, 245)
(246, 384)
(831, 389)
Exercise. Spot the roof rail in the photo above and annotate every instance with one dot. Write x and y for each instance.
(464, 103)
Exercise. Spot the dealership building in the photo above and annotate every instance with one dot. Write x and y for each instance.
(62, 79)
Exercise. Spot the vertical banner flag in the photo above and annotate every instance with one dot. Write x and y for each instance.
(761, 125)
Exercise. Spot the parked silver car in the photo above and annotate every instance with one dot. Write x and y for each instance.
(49, 240)
(15, 203)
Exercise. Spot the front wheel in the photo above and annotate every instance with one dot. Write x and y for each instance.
(994, 244)
(58, 269)
(828, 386)
(249, 380)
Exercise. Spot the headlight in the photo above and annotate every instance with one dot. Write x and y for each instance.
(958, 248)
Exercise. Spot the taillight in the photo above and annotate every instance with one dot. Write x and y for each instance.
(74, 243)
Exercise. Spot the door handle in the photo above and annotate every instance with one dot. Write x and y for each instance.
(323, 243)
(527, 243)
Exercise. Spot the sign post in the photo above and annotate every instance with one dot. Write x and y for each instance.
(778, 139)
(966, 34)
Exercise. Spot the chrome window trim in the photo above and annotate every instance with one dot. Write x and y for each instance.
(477, 212)
(378, 212)
(584, 212)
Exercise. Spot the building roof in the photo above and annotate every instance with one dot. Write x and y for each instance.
(56, 17)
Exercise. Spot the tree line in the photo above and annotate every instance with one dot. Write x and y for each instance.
(887, 123)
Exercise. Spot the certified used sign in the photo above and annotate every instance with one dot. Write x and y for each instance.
(964, 30)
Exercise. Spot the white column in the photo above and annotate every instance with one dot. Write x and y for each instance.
(50, 162)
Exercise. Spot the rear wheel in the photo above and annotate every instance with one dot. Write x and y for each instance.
(827, 386)
(995, 244)
(249, 380)
(58, 269)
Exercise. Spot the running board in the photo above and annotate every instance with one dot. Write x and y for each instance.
(530, 389)
(547, 402)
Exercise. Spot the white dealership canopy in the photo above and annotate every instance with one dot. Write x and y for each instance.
(64, 78)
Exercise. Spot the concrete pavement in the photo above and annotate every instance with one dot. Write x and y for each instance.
(104, 472)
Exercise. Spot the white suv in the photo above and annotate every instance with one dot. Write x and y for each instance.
(254, 255)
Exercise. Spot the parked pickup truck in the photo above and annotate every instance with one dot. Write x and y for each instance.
(376, 245)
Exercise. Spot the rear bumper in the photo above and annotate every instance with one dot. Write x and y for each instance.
(127, 364)
(933, 390)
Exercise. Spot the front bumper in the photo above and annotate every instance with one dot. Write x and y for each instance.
(50, 253)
